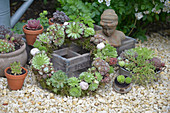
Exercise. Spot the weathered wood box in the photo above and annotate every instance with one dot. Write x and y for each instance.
(127, 43)
(72, 60)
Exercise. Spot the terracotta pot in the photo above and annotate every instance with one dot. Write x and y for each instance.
(31, 35)
(124, 88)
(15, 82)
(6, 59)
(49, 21)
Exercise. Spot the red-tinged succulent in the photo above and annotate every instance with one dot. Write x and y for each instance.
(106, 79)
(157, 62)
(113, 61)
(33, 24)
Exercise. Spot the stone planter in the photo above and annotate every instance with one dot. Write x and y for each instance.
(123, 71)
(121, 88)
(19, 55)
(72, 60)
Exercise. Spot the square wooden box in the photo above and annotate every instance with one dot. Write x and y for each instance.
(72, 60)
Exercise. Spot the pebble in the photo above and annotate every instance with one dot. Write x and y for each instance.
(31, 98)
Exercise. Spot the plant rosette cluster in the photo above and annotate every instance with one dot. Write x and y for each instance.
(9, 41)
(55, 35)
(59, 17)
(142, 64)
(57, 81)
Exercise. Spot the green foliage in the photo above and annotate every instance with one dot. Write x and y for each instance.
(138, 62)
(98, 76)
(128, 80)
(89, 32)
(93, 86)
(74, 30)
(43, 19)
(75, 91)
(107, 51)
(53, 38)
(18, 28)
(57, 80)
(16, 68)
(111, 69)
(87, 77)
(90, 11)
(145, 52)
(73, 81)
(77, 11)
(40, 59)
(6, 46)
(121, 79)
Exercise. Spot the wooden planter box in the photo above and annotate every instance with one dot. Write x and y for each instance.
(72, 60)
(127, 43)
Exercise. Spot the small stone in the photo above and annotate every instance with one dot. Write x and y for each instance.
(102, 100)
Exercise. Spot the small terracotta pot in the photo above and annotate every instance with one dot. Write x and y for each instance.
(49, 21)
(31, 35)
(15, 82)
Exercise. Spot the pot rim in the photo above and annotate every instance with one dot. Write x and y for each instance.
(32, 31)
(13, 76)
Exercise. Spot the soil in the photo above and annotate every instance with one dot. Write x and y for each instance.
(35, 8)
(10, 72)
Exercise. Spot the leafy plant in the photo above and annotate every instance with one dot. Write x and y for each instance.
(53, 38)
(121, 79)
(18, 28)
(101, 65)
(87, 77)
(6, 47)
(89, 32)
(138, 61)
(57, 80)
(9, 40)
(133, 20)
(33, 24)
(98, 76)
(43, 19)
(93, 86)
(59, 17)
(74, 30)
(16, 68)
(4, 31)
(40, 59)
(79, 9)
(107, 51)
(73, 81)
(128, 80)
(75, 91)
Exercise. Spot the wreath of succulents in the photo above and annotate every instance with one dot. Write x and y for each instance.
(103, 54)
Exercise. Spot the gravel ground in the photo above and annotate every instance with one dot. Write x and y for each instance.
(154, 99)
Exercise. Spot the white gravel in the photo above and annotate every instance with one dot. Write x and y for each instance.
(32, 99)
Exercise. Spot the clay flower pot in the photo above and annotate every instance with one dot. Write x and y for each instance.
(49, 21)
(121, 88)
(15, 82)
(31, 35)
(6, 59)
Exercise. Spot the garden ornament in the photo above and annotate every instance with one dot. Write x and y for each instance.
(109, 21)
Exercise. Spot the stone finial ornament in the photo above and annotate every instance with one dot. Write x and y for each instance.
(109, 21)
